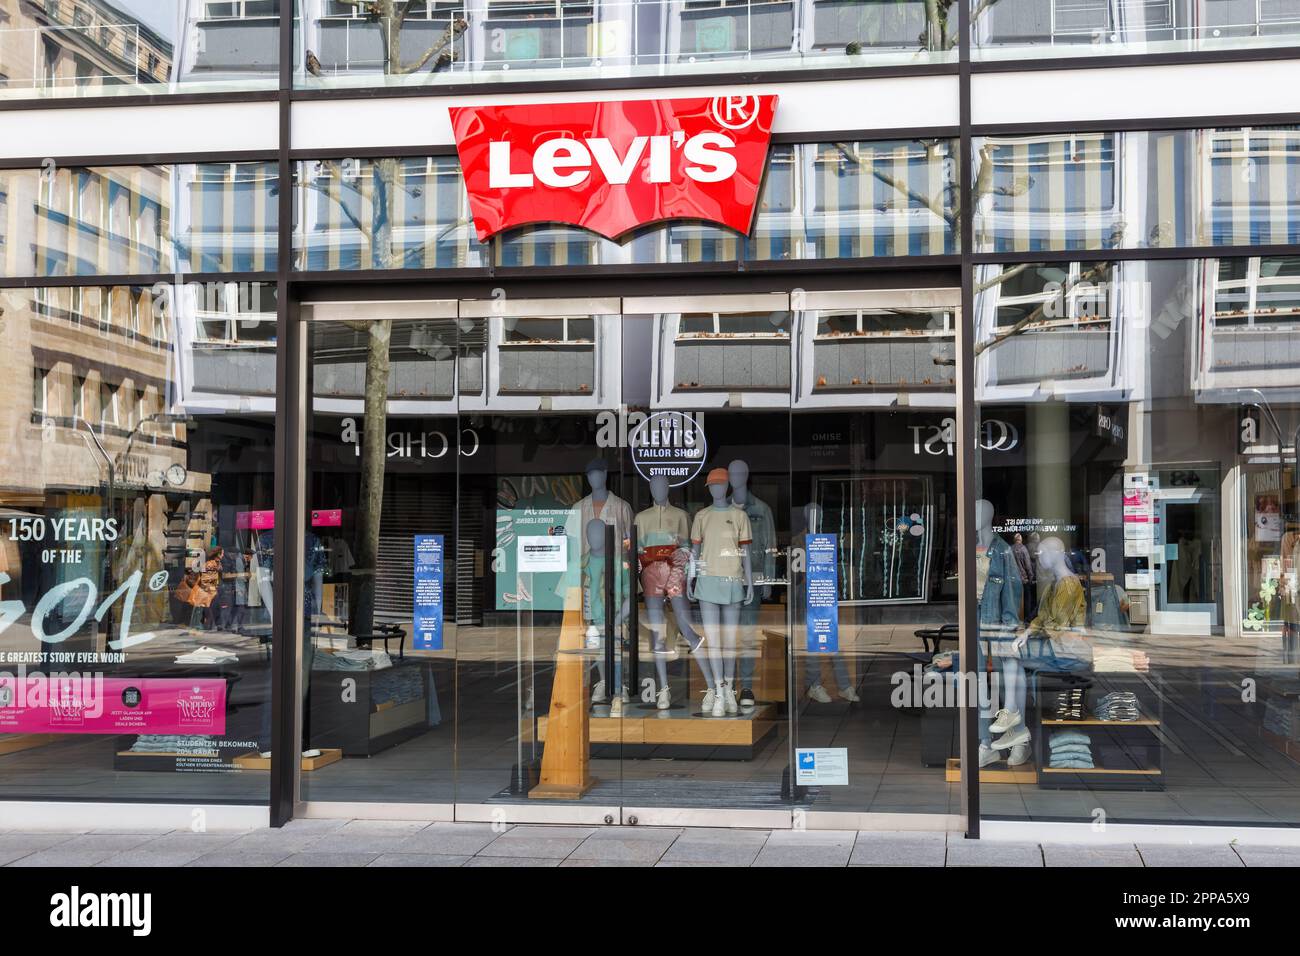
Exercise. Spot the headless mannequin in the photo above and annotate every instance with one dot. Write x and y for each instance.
(654, 606)
(722, 621)
(595, 540)
(984, 539)
(738, 475)
(1053, 564)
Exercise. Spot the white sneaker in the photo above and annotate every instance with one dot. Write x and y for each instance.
(988, 756)
(709, 698)
(598, 692)
(623, 694)
(729, 699)
(663, 700)
(616, 707)
(849, 694)
(1019, 754)
(719, 702)
(1013, 737)
(818, 693)
(1004, 721)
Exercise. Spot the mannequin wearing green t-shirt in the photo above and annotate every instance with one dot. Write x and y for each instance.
(722, 580)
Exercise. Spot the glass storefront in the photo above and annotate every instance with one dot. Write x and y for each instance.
(668, 526)
(1141, 666)
(136, 507)
(570, 472)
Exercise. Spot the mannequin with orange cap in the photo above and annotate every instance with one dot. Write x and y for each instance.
(721, 579)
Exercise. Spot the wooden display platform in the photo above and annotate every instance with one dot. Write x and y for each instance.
(21, 742)
(255, 761)
(1023, 773)
(641, 733)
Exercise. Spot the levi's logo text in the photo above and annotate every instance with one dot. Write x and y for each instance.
(612, 166)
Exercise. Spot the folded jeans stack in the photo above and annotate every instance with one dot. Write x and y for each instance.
(1070, 750)
(1118, 705)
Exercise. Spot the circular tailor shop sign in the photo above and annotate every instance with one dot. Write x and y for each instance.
(669, 445)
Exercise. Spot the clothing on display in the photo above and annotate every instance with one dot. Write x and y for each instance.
(1118, 705)
(1068, 704)
(721, 534)
(173, 743)
(207, 655)
(593, 587)
(661, 531)
(1120, 660)
(1070, 750)
(352, 660)
(998, 585)
(613, 511)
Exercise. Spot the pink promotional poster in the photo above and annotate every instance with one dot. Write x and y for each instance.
(77, 704)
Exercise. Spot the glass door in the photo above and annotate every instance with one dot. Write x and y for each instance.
(874, 567)
(378, 663)
(543, 518)
(704, 434)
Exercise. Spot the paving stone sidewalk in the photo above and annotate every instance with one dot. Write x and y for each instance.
(417, 843)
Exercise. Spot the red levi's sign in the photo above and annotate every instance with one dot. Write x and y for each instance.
(612, 166)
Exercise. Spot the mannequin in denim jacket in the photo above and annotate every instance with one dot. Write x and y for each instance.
(1000, 591)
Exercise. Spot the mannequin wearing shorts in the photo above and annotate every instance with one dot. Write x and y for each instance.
(663, 539)
(763, 553)
(722, 581)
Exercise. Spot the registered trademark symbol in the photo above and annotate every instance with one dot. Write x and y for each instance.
(158, 581)
(735, 112)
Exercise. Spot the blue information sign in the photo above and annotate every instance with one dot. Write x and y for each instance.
(822, 608)
(427, 595)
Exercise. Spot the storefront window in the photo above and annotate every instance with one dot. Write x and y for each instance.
(1208, 187)
(139, 220)
(81, 48)
(818, 201)
(1013, 29)
(136, 565)
(1135, 523)
(571, 562)
(491, 41)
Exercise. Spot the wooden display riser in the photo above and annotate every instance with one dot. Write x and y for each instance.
(1022, 773)
(255, 761)
(646, 733)
(21, 742)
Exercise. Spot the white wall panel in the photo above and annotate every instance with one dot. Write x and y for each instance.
(106, 131)
(1138, 92)
(888, 103)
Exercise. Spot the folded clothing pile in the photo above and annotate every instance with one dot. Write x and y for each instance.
(352, 660)
(1070, 750)
(1118, 705)
(207, 655)
(1120, 660)
(173, 743)
(1069, 704)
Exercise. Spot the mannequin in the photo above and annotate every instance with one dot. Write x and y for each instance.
(663, 540)
(998, 590)
(763, 548)
(593, 609)
(812, 516)
(1047, 643)
(722, 581)
(603, 504)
